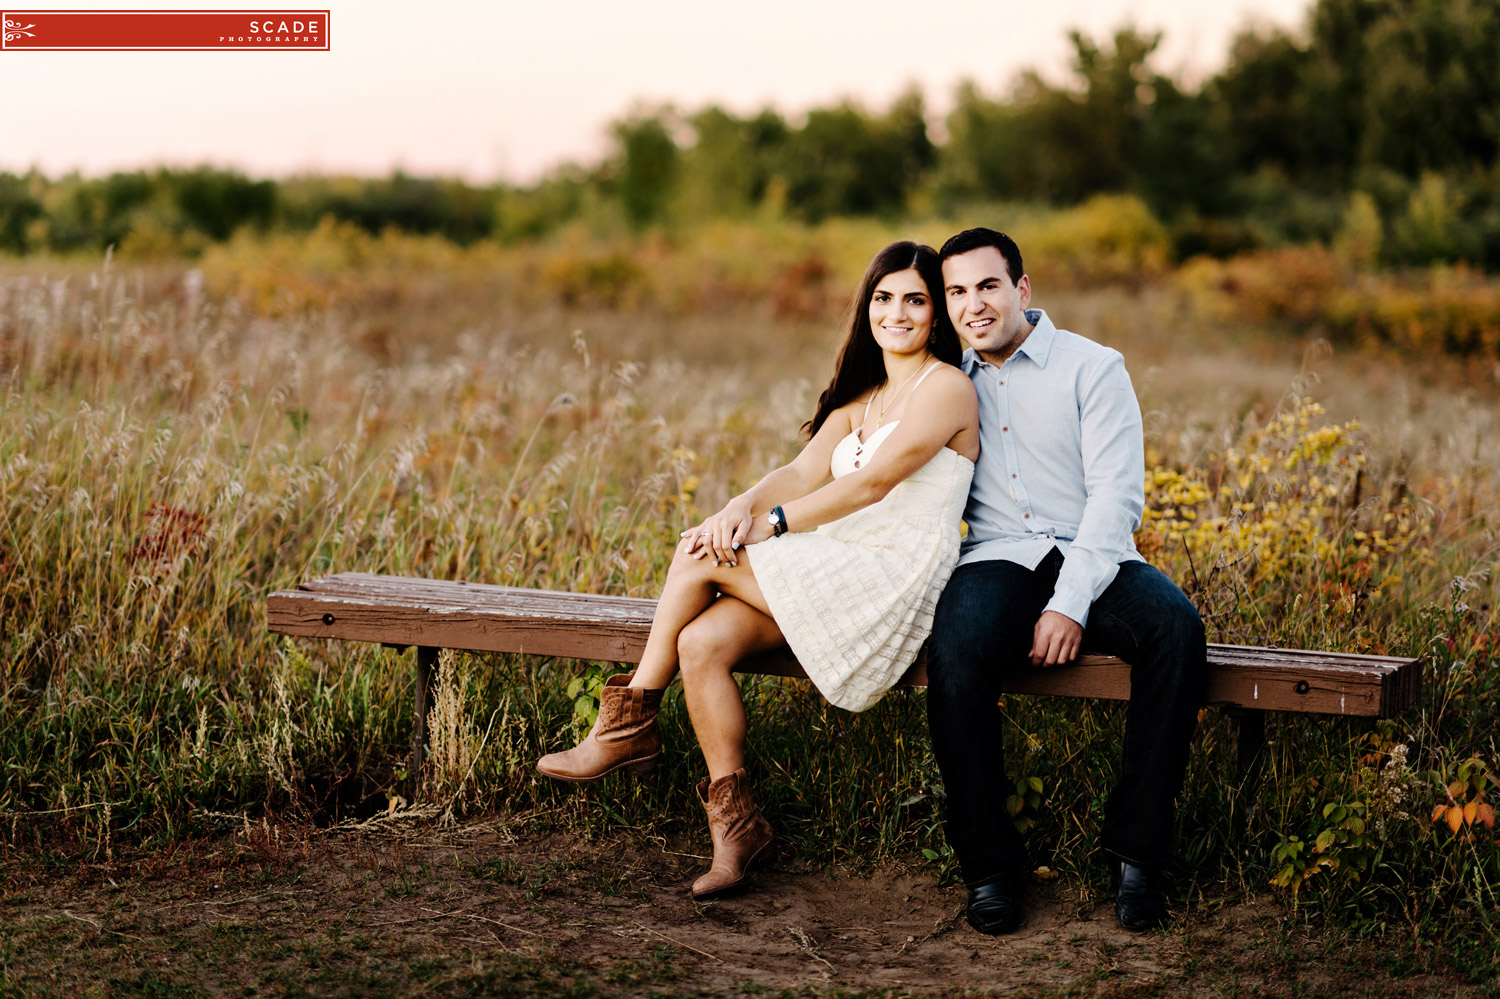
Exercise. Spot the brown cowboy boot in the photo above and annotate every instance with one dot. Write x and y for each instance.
(739, 832)
(624, 735)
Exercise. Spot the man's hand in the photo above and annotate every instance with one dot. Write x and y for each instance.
(1056, 639)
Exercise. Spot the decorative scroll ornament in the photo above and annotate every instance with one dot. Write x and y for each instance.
(14, 30)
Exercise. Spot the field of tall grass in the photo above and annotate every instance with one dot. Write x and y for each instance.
(176, 442)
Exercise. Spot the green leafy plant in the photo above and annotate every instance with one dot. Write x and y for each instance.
(1025, 803)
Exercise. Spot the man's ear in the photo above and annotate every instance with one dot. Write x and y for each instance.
(1023, 290)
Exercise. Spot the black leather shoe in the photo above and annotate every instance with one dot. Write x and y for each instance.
(1140, 898)
(995, 906)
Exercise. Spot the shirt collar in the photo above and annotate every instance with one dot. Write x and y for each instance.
(1037, 346)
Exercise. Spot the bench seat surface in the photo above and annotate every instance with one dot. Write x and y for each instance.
(480, 617)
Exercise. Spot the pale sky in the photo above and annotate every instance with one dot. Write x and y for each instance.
(505, 90)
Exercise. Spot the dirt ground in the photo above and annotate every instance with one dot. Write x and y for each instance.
(474, 911)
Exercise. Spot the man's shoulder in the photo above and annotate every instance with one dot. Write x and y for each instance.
(1084, 349)
(1073, 349)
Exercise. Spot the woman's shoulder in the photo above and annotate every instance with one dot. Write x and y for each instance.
(947, 379)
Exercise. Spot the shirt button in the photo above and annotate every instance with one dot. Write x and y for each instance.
(1005, 430)
(1013, 475)
(1002, 383)
(1028, 516)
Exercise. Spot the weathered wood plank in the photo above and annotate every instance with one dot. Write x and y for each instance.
(586, 635)
(482, 617)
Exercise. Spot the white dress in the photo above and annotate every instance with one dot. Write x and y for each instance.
(855, 598)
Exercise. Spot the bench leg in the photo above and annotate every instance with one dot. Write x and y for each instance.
(426, 665)
(1251, 756)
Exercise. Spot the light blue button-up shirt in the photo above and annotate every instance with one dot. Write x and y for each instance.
(1061, 462)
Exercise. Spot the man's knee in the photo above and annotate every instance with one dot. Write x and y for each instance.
(1168, 616)
(953, 640)
(1179, 626)
(956, 681)
(966, 662)
(956, 658)
(1174, 642)
(975, 633)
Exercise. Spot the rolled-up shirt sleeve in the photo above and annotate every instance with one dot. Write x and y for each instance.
(1114, 467)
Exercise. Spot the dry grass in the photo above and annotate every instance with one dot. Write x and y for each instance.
(174, 444)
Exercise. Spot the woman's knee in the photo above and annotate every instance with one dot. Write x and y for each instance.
(683, 564)
(705, 647)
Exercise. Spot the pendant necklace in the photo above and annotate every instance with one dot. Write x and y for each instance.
(859, 449)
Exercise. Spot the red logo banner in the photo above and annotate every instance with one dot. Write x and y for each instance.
(165, 30)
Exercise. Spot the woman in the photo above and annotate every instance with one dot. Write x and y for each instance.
(898, 429)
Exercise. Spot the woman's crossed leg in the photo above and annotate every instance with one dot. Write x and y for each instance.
(709, 618)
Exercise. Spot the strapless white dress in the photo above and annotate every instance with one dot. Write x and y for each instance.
(855, 599)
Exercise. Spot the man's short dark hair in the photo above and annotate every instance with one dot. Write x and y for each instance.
(974, 239)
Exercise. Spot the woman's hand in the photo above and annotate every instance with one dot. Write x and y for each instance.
(760, 530)
(722, 534)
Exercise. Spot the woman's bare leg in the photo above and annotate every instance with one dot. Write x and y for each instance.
(692, 584)
(709, 648)
(627, 734)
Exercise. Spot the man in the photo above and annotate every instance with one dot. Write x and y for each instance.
(1048, 567)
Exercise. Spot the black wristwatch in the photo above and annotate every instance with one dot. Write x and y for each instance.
(777, 520)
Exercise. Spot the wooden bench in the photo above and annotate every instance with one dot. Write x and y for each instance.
(431, 615)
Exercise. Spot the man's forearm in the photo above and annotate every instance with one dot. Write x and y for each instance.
(1114, 471)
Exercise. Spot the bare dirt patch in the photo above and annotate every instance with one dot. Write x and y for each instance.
(474, 911)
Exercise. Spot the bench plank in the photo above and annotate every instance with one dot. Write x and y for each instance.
(480, 617)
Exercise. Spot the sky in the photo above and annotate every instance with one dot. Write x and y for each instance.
(506, 90)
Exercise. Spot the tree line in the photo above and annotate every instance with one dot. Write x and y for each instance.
(1378, 118)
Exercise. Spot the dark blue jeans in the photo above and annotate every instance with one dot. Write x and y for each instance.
(984, 628)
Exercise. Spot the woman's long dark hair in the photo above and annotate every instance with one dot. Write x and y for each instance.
(861, 365)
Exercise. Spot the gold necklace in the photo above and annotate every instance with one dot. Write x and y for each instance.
(880, 416)
(859, 447)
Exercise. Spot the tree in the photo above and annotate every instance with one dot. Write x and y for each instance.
(1432, 87)
(647, 158)
(729, 167)
(1057, 143)
(18, 209)
(843, 161)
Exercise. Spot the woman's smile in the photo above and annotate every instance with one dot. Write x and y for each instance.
(901, 311)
